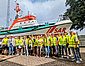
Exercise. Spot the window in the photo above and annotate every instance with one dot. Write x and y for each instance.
(20, 23)
(30, 19)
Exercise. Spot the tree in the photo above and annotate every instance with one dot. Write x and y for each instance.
(76, 13)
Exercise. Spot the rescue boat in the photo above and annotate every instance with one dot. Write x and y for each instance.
(28, 25)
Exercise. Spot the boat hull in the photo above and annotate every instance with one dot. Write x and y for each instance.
(59, 27)
(53, 29)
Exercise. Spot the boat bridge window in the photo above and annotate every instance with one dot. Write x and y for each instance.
(20, 23)
(30, 19)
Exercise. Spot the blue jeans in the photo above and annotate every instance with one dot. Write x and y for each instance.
(47, 50)
(11, 49)
(56, 50)
(64, 49)
(77, 54)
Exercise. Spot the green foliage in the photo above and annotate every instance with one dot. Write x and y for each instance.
(76, 13)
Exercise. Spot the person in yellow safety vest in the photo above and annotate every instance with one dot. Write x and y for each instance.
(5, 45)
(77, 49)
(21, 45)
(17, 45)
(44, 41)
(52, 49)
(30, 46)
(64, 45)
(67, 45)
(47, 46)
(67, 37)
(71, 43)
(35, 45)
(55, 40)
(26, 47)
(40, 44)
(5, 41)
(52, 44)
(60, 40)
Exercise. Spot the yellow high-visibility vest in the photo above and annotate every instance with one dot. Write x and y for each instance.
(51, 41)
(48, 41)
(21, 42)
(67, 36)
(27, 41)
(54, 41)
(64, 40)
(36, 42)
(5, 41)
(44, 41)
(30, 42)
(40, 42)
(71, 41)
(60, 38)
(17, 42)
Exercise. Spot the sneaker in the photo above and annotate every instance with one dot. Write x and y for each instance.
(48, 56)
(73, 60)
(9, 53)
(12, 54)
(72, 57)
(27, 55)
(62, 56)
(45, 56)
(67, 57)
(81, 59)
(21, 54)
(17, 54)
(78, 62)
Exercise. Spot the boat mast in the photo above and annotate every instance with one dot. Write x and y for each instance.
(8, 13)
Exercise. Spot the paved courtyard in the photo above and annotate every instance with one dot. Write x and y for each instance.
(38, 61)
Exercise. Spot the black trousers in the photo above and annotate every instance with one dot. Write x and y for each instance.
(60, 47)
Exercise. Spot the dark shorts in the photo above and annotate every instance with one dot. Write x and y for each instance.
(19, 47)
(4, 47)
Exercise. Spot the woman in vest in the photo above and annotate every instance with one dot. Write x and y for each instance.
(60, 40)
(47, 46)
(40, 44)
(21, 45)
(26, 45)
(5, 45)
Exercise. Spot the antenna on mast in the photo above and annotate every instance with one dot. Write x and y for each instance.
(17, 9)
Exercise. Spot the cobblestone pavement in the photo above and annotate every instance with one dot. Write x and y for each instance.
(8, 63)
(64, 62)
(37, 61)
(30, 60)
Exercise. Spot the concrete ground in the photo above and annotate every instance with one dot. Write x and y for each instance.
(38, 61)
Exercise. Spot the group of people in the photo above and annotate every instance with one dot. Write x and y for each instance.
(48, 45)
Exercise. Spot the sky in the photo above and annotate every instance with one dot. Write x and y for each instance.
(44, 10)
